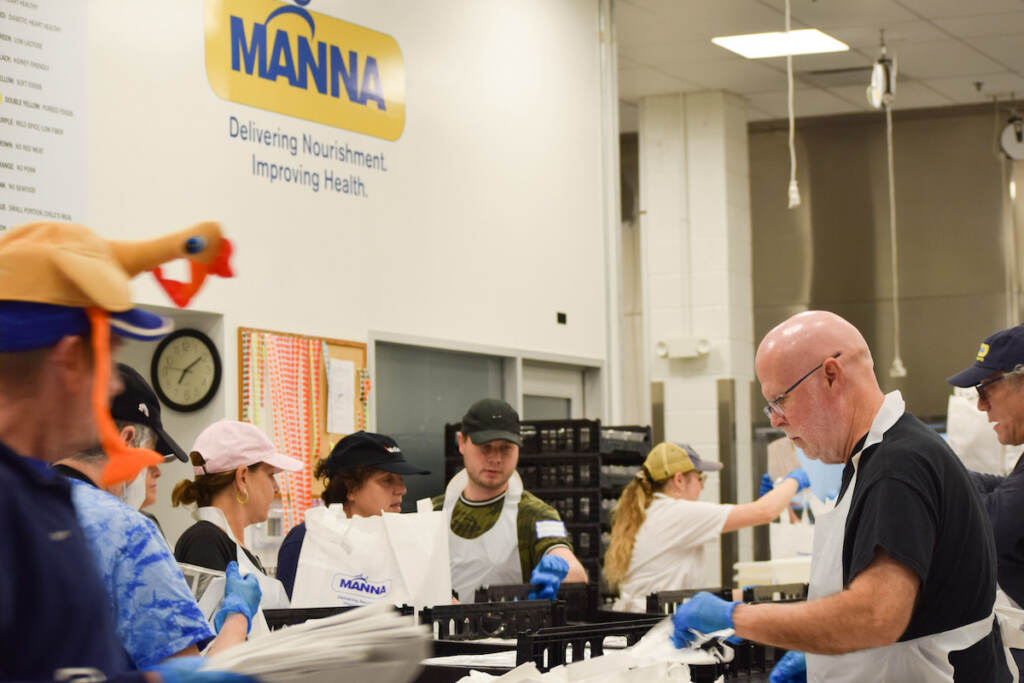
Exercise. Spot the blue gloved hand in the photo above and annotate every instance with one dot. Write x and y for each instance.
(241, 595)
(800, 477)
(186, 670)
(792, 668)
(766, 484)
(547, 576)
(703, 613)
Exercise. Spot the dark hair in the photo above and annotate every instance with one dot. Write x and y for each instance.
(338, 485)
(205, 486)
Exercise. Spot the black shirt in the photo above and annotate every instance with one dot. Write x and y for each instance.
(915, 500)
(204, 544)
(1003, 498)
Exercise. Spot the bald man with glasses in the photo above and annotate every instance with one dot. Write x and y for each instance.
(903, 577)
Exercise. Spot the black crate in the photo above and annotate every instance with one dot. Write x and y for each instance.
(586, 540)
(575, 506)
(581, 599)
(783, 592)
(276, 618)
(666, 602)
(476, 620)
(630, 440)
(561, 436)
(563, 471)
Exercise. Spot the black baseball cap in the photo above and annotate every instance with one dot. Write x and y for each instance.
(491, 419)
(367, 449)
(138, 404)
(999, 352)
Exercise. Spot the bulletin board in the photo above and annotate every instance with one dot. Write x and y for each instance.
(352, 357)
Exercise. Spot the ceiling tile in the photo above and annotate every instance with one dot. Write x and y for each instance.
(910, 95)
(895, 34)
(962, 90)
(945, 58)
(958, 8)
(701, 50)
(811, 102)
(636, 26)
(637, 83)
(845, 13)
(741, 76)
(1004, 49)
(1003, 24)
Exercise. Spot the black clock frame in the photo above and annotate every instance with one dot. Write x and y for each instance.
(214, 386)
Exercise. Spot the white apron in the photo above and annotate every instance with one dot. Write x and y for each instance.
(274, 595)
(922, 659)
(491, 559)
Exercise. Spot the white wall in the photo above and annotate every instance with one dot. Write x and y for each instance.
(487, 223)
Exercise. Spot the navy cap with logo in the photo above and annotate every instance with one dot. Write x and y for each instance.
(491, 419)
(367, 449)
(139, 404)
(1000, 352)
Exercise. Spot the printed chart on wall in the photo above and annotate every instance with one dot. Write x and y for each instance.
(307, 392)
(43, 133)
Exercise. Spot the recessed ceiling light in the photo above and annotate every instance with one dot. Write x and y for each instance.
(805, 41)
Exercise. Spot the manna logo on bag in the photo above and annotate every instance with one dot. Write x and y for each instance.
(284, 58)
(361, 586)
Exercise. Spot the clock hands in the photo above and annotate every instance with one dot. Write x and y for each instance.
(186, 370)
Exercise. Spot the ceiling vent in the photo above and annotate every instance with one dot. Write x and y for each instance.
(838, 78)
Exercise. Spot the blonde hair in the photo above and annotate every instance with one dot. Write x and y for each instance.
(627, 518)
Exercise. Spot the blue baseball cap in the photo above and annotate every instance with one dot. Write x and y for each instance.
(29, 325)
(999, 352)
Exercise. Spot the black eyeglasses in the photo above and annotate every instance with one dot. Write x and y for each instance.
(980, 387)
(774, 406)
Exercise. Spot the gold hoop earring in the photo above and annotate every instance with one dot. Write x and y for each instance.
(240, 499)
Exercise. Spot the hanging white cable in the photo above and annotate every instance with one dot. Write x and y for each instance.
(897, 369)
(794, 191)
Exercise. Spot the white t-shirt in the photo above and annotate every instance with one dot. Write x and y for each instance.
(668, 553)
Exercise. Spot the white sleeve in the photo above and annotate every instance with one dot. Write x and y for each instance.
(687, 523)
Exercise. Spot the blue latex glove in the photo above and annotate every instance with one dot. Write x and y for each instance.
(186, 670)
(800, 477)
(703, 613)
(766, 484)
(241, 595)
(547, 576)
(792, 668)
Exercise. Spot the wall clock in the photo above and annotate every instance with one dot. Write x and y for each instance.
(186, 370)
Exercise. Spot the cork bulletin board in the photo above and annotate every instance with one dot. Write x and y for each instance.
(336, 350)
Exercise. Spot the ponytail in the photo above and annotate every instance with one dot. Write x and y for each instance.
(627, 518)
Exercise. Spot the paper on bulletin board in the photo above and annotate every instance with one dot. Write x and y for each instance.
(341, 406)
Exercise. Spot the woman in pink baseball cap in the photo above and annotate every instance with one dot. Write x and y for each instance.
(234, 485)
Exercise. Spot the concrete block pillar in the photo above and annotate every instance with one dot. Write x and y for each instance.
(697, 272)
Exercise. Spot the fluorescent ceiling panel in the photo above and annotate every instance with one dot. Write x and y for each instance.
(807, 41)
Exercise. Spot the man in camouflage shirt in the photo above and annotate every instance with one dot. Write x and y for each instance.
(499, 533)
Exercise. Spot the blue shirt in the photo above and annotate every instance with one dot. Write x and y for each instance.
(155, 613)
(53, 610)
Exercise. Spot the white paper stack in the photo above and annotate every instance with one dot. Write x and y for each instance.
(371, 643)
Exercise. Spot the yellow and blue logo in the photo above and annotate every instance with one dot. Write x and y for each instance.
(284, 58)
(982, 352)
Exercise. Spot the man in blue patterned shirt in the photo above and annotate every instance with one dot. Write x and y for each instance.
(155, 613)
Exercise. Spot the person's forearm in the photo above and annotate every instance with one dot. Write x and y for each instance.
(577, 574)
(828, 626)
(232, 632)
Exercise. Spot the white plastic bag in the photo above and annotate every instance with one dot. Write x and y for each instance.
(971, 435)
(790, 540)
(393, 559)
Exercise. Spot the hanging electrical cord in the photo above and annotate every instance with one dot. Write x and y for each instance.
(794, 191)
(881, 93)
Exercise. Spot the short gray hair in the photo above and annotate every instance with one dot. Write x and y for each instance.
(1016, 374)
(144, 437)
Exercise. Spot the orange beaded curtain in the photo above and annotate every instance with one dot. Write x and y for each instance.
(280, 386)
